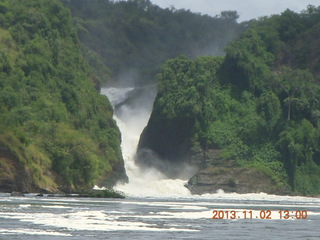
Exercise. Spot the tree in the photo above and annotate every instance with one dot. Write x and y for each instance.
(298, 144)
(298, 86)
(231, 16)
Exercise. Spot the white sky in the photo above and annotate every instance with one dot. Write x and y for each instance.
(247, 9)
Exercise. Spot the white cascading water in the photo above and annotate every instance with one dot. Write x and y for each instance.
(131, 118)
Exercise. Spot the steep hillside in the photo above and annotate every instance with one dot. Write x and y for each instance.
(257, 108)
(56, 131)
(133, 38)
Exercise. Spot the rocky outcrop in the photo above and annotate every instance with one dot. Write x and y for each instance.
(165, 144)
(170, 139)
(220, 173)
(239, 180)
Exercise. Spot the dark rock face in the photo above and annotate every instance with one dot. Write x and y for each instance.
(239, 180)
(165, 143)
(178, 169)
(220, 173)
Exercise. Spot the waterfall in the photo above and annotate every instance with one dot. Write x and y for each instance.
(133, 108)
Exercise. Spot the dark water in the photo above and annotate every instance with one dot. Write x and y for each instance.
(158, 218)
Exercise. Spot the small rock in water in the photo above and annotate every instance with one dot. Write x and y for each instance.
(17, 194)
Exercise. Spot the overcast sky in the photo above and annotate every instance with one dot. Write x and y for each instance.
(247, 9)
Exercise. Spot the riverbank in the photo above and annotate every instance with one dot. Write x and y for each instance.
(93, 193)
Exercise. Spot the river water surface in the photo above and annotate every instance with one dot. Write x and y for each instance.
(31, 217)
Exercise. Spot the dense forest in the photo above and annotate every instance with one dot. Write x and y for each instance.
(129, 40)
(257, 106)
(56, 130)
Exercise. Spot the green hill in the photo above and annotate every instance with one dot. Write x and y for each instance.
(56, 130)
(133, 38)
(256, 108)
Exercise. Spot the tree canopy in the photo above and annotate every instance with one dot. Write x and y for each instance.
(54, 123)
(259, 104)
(133, 38)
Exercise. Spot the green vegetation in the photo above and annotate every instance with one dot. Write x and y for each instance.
(133, 38)
(259, 104)
(53, 121)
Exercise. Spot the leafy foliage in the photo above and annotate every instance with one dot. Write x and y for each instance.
(62, 128)
(259, 104)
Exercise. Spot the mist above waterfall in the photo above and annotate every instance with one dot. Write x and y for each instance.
(132, 109)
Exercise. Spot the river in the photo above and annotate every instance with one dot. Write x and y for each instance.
(156, 207)
(31, 217)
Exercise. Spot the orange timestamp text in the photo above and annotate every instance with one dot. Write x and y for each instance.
(259, 214)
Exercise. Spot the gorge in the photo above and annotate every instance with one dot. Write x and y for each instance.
(229, 102)
(209, 128)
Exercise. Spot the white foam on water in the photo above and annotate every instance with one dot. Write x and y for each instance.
(99, 188)
(88, 221)
(56, 207)
(180, 215)
(167, 188)
(79, 219)
(24, 205)
(116, 95)
(258, 196)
